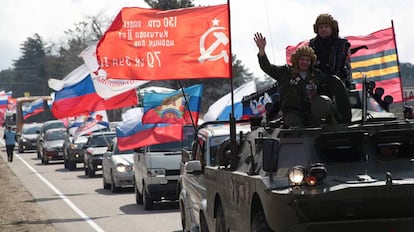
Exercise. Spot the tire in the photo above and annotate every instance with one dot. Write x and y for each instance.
(45, 161)
(105, 185)
(183, 218)
(138, 196)
(146, 200)
(259, 223)
(203, 223)
(91, 172)
(220, 220)
(85, 168)
(20, 150)
(71, 165)
(114, 189)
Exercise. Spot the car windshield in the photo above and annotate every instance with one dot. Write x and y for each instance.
(31, 129)
(101, 140)
(53, 125)
(55, 135)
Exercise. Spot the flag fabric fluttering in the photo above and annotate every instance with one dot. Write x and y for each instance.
(255, 103)
(133, 134)
(221, 109)
(4, 99)
(96, 121)
(81, 98)
(105, 88)
(173, 107)
(33, 108)
(379, 62)
(149, 44)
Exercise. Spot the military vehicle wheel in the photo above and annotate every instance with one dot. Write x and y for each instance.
(146, 200)
(105, 185)
(203, 223)
(220, 220)
(114, 189)
(138, 196)
(259, 223)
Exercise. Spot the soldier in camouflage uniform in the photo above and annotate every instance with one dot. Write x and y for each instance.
(297, 83)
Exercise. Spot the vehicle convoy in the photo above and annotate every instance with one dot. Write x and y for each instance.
(192, 199)
(157, 169)
(354, 176)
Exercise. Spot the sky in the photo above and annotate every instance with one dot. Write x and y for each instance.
(283, 23)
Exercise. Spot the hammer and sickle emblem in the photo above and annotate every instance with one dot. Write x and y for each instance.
(221, 38)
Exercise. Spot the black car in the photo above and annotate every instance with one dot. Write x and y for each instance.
(94, 149)
(46, 126)
(73, 151)
(27, 139)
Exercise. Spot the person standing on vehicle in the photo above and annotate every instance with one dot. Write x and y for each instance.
(332, 52)
(297, 83)
(10, 139)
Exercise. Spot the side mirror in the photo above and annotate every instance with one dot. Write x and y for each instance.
(192, 166)
(270, 153)
(139, 150)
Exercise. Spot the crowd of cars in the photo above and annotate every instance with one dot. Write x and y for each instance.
(152, 171)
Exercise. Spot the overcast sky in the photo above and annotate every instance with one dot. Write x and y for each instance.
(282, 22)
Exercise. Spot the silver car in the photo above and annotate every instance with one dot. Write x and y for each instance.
(117, 168)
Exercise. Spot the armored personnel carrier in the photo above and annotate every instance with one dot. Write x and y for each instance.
(353, 176)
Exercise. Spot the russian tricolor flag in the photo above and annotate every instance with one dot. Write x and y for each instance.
(81, 98)
(34, 108)
(133, 134)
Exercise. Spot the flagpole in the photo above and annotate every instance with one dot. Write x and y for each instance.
(398, 61)
(234, 159)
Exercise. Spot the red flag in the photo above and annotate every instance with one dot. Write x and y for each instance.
(148, 44)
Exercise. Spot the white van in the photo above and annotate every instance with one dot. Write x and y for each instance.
(157, 169)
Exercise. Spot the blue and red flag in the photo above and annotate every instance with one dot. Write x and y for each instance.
(34, 108)
(81, 98)
(133, 134)
(177, 107)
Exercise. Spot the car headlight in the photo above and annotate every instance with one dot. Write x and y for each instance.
(24, 140)
(120, 168)
(73, 146)
(296, 175)
(156, 172)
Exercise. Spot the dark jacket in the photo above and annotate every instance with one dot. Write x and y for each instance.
(295, 92)
(332, 57)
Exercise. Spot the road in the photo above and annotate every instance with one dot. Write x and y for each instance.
(74, 202)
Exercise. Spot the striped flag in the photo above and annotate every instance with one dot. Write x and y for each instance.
(379, 62)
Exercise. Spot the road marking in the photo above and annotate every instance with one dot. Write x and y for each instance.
(63, 197)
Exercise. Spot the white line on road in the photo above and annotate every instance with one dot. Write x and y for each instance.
(63, 197)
